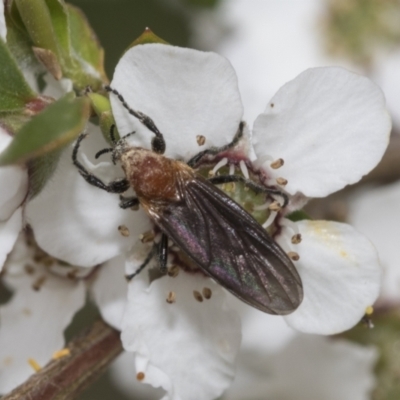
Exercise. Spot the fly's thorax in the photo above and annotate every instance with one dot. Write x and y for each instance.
(152, 176)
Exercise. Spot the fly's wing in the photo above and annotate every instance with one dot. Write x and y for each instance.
(232, 247)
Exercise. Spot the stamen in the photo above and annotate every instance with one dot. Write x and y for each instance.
(72, 274)
(200, 140)
(29, 269)
(277, 163)
(221, 163)
(243, 168)
(147, 237)
(123, 230)
(197, 295)
(140, 376)
(262, 206)
(207, 293)
(281, 181)
(171, 297)
(231, 169)
(61, 353)
(39, 283)
(369, 310)
(173, 271)
(293, 255)
(270, 219)
(275, 206)
(34, 364)
(296, 239)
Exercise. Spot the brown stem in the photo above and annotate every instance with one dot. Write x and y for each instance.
(90, 354)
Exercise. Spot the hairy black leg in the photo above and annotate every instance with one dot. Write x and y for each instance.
(216, 180)
(117, 186)
(158, 142)
(144, 264)
(212, 151)
(104, 151)
(128, 202)
(163, 252)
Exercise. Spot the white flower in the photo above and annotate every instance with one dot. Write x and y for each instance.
(375, 211)
(305, 367)
(14, 186)
(330, 126)
(34, 319)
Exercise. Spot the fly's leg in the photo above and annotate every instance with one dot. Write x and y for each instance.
(144, 264)
(158, 142)
(163, 252)
(216, 180)
(128, 202)
(212, 151)
(117, 186)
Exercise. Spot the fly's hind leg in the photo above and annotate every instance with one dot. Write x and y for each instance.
(143, 265)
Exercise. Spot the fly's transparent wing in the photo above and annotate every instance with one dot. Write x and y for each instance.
(232, 247)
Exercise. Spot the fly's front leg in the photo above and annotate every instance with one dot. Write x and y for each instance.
(144, 264)
(117, 186)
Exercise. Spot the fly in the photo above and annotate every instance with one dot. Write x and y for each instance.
(210, 228)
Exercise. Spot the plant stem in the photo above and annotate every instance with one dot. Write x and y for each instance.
(91, 353)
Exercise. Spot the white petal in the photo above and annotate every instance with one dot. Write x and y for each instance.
(309, 367)
(3, 27)
(376, 213)
(186, 93)
(33, 321)
(329, 125)
(15, 179)
(188, 347)
(77, 222)
(109, 291)
(341, 277)
(9, 231)
(122, 371)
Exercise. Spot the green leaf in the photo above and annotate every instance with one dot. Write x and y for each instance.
(38, 22)
(86, 47)
(55, 127)
(385, 337)
(14, 91)
(63, 41)
(148, 36)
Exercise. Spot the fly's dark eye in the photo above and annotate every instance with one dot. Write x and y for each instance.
(158, 145)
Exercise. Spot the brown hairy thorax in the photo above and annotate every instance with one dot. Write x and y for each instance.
(153, 177)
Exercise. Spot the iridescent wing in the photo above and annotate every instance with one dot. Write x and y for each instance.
(230, 246)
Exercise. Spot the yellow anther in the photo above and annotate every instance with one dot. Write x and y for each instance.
(61, 353)
(34, 364)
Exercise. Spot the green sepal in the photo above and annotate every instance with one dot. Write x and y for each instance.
(14, 91)
(102, 107)
(55, 127)
(99, 103)
(148, 36)
(298, 215)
